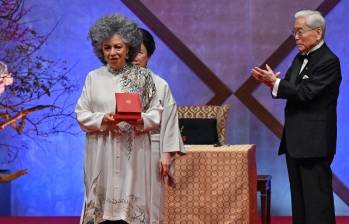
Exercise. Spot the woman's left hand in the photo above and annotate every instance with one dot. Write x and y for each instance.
(136, 123)
(165, 162)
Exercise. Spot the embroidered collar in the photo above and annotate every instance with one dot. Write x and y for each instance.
(117, 71)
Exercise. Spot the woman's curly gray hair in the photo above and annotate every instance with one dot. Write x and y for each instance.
(107, 26)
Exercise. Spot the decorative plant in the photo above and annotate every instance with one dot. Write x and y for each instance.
(37, 89)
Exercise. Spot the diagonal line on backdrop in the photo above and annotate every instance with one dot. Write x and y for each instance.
(221, 91)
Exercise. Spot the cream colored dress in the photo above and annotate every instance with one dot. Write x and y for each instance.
(118, 160)
(167, 138)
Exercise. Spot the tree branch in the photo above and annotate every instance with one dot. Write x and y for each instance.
(22, 115)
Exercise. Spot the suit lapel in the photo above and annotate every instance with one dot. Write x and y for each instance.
(295, 70)
(311, 62)
(304, 72)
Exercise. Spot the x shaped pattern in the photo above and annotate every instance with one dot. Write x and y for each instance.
(220, 90)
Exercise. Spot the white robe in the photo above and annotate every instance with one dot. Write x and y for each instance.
(167, 138)
(117, 176)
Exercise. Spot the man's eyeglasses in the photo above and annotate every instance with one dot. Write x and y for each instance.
(301, 32)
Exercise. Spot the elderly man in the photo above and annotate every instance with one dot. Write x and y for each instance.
(311, 88)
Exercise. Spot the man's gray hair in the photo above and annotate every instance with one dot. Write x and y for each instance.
(313, 19)
(108, 26)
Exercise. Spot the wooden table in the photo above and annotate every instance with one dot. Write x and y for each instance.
(213, 185)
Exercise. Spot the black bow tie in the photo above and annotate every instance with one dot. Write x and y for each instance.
(303, 56)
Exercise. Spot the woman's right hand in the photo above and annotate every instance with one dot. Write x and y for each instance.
(108, 118)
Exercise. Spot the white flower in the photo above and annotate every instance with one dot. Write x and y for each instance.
(5, 77)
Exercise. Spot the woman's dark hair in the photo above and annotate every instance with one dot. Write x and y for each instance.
(148, 41)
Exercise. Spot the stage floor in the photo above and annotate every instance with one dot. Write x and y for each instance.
(75, 220)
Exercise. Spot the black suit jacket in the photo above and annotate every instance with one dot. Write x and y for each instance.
(310, 128)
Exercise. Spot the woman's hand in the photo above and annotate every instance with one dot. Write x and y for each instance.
(12, 176)
(136, 122)
(164, 163)
(108, 118)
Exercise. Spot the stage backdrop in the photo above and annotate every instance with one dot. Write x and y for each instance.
(228, 37)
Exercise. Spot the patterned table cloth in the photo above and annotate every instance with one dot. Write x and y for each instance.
(213, 185)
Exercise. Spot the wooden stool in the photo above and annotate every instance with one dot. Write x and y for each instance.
(264, 187)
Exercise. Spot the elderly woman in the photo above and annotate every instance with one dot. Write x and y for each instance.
(118, 154)
(165, 140)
